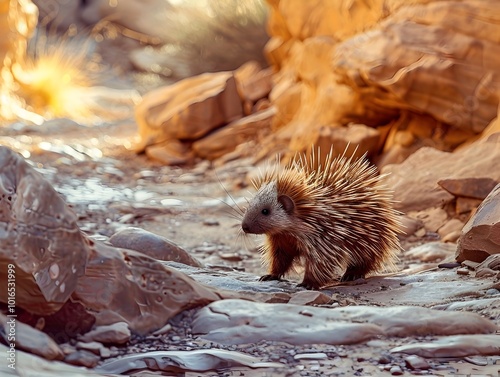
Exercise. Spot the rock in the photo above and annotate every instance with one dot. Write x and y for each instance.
(73, 315)
(29, 339)
(309, 298)
(118, 283)
(82, 358)
(452, 236)
(415, 180)
(396, 370)
(226, 139)
(188, 109)
(93, 347)
(453, 346)
(239, 321)
(410, 225)
(453, 226)
(481, 235)
(171, 152)
(466, 205)
(40, 238)
(311, 356)
(380, 62)
(111, 283)
(476, 188)
(431, 251)
(252, 82)
(243, 284)
(152, 245)
(189, 361)
(433, 218)
(355, 140)
(117, 333)
(489, 267)
(30, 365)
(403, 321)
(409, 68)
(482, 305)
(416, 362)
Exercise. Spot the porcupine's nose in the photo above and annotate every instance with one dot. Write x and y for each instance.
(245, 227)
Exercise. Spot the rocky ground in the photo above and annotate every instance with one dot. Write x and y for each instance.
(111, 188)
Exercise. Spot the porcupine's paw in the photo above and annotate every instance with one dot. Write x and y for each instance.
(353, 274)
(270, 277)
(309, 284)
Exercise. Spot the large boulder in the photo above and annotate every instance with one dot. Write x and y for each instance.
(415, 181)
(188, 109)
(481, 235)
(39, 238)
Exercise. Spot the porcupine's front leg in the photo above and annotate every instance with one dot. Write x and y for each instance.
(279, 264)
(280, 254)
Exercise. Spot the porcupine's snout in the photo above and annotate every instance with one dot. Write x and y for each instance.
(251, 224)
(245, 227)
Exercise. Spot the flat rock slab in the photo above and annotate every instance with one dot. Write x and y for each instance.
(29, 339)
(242, 322)
(174, 361)
(455, 346)
(30, 365)
(233, 280)
(427, 288)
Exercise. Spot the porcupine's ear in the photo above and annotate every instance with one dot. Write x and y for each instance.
(287, 203)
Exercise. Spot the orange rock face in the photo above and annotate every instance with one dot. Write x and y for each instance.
(415, 181)
(188, 109)
(373, 64)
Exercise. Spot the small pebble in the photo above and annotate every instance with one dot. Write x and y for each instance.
(416, 362)
(477, 360)
(232, 257)
(396, 370)
(463, 271)
(82, 358)
(306, 313)
(492, 292)
(211, 222)
(208, 249)
(310, 356)
(448, 265)
(384, 359)
(165, 329)
(105, 352)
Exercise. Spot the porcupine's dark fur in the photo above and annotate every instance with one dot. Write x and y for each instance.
(337, 218)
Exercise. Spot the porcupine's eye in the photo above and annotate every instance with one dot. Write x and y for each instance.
(265, 212)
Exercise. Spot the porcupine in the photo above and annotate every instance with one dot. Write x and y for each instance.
(336, 217)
